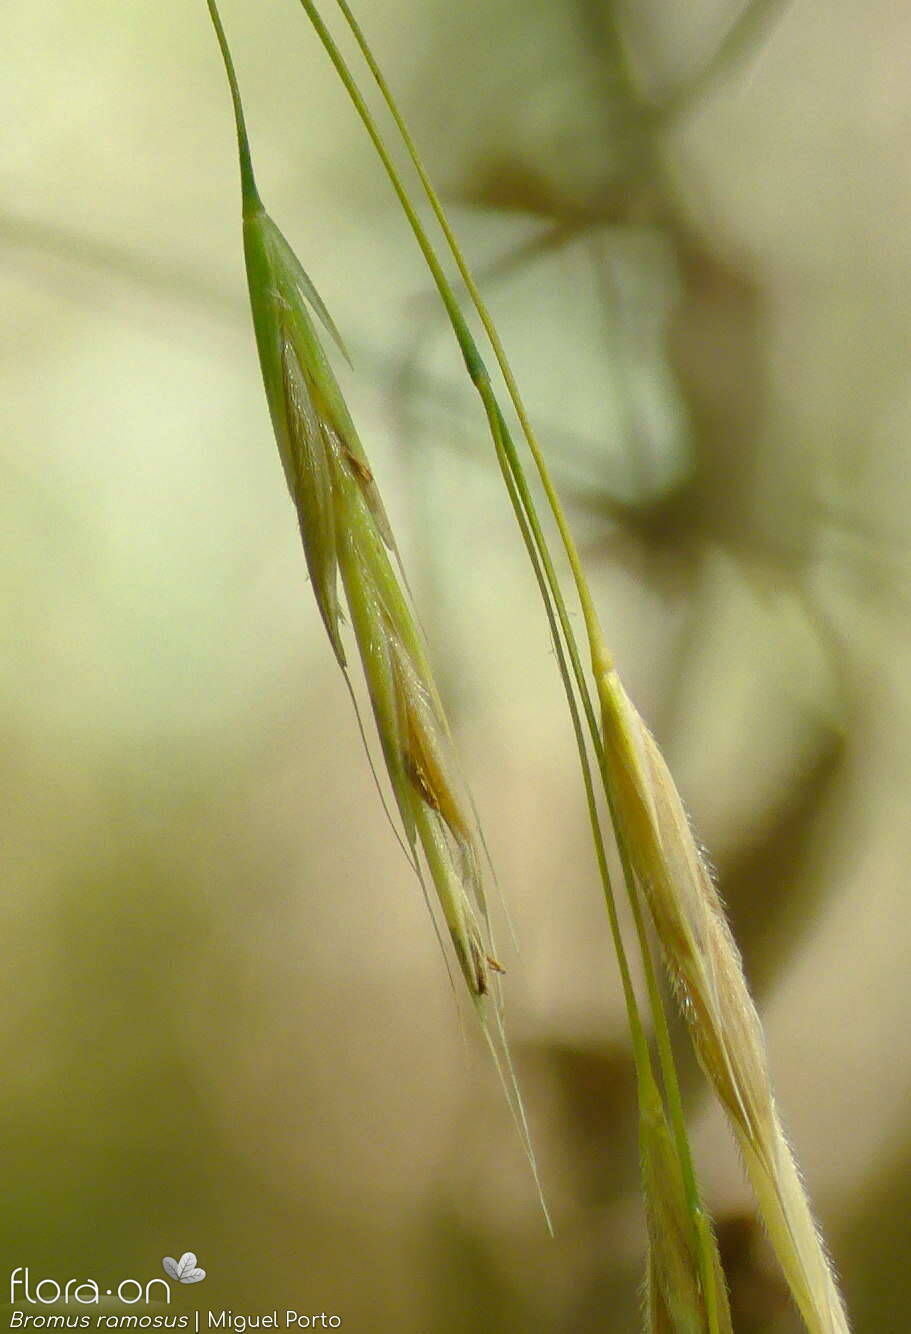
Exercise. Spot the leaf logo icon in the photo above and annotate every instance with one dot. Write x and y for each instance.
(184, 1270)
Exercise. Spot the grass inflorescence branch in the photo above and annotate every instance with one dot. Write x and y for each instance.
(347, 539)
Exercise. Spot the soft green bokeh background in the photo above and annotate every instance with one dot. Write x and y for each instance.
(226, 1025)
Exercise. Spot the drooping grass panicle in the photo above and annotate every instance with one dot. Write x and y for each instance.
(346, 533)
(709, 1276)
(348, 540)
(660, 857)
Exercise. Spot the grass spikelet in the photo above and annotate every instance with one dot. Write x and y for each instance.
(346, 536)
(345, 532)
(681, 1296)
(672, 1263)
(705, 965)
(413, 734)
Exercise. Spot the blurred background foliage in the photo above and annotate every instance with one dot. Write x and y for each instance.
(226, 1025)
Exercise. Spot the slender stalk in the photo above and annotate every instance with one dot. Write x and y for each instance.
(249, 193)
(640, 1043)
(602, 660)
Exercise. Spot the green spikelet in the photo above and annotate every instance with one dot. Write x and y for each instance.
(346, 533)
